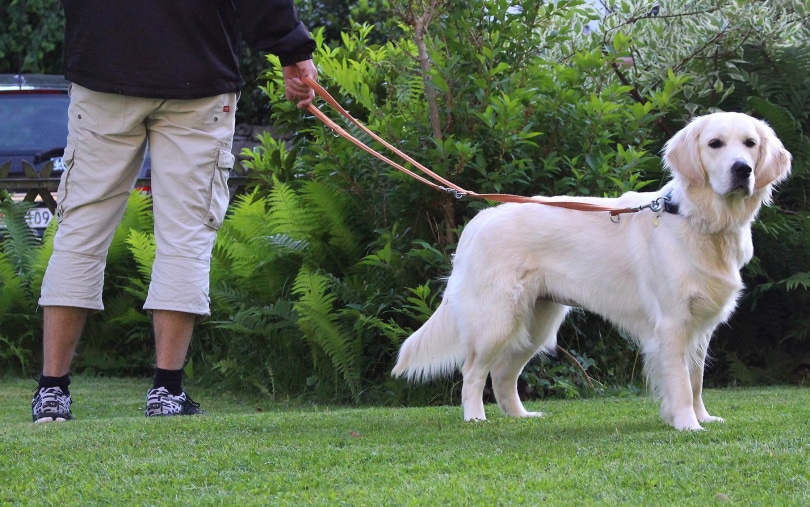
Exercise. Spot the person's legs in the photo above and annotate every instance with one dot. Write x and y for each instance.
(172, 337)
(61, 331)
(190, 143)
(173, 332)
(62, 328)
(105, 150)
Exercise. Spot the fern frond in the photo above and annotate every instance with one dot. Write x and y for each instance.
(247, 218)
(410, 89)
(319, 323)
(235, 254)
(39, 261)
(336, 211)
(287, 213)
(17, 240)
(797, 281)
(142, 246)
(265, 321)
(137, 217)
(12, 287)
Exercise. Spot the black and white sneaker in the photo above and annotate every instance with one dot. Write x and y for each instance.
(51, 404)
(160, 402)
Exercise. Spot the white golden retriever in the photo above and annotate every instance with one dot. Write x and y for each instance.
(668, 277)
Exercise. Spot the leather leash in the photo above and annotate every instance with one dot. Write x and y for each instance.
(446, 185)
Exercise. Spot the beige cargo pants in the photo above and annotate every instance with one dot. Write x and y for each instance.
(190, 147)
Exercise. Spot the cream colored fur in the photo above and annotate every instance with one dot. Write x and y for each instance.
(667, 279)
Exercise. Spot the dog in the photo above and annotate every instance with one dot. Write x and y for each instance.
(668, 274)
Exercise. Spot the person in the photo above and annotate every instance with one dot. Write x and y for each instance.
(164, 74)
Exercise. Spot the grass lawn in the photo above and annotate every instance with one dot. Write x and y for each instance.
(604, 451)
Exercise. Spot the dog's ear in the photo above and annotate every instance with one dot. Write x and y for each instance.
(774, 161)
(682, 154)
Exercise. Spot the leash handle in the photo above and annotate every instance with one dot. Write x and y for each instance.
(448, 186)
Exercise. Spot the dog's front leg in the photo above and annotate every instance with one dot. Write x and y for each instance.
(696, 369)
(668, 367)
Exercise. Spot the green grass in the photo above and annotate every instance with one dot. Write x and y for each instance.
(603, 451)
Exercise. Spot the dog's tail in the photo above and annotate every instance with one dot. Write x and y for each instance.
(434, 350)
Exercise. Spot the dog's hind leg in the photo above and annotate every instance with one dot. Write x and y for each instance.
(474, 374)
(546, 321)
(486, 330)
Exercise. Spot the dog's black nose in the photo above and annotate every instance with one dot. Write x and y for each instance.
(741, 169)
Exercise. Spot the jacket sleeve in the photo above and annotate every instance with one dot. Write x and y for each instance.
(273, 26)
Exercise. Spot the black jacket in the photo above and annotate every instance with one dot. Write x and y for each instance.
(175, 49)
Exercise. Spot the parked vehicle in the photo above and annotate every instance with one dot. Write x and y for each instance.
(33, 134)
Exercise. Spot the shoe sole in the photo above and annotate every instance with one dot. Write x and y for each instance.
(49, 419)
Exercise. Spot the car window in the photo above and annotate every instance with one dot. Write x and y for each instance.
(33, 122)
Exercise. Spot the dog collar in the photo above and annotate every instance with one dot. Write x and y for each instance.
(668, 206)
(659, 204)
(671, 207)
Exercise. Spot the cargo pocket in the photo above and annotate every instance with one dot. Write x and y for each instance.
(220, 194)
(62, 190)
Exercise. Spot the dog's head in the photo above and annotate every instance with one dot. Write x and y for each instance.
(733, 153)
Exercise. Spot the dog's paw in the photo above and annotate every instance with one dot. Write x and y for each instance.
(534, 414)
(690, 427)
(521, 412)
(710, 419)
(475, 413)
(483, 418)
(686, 423)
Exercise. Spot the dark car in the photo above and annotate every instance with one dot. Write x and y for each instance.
(33, 130)
(33, 134)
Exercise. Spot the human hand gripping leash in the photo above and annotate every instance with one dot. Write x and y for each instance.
(446, 185)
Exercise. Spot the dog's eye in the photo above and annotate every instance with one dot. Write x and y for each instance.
(715, 143)
(750, 143)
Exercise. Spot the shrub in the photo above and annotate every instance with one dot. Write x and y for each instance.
(333, 258)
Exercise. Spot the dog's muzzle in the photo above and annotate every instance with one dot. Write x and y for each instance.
(741, 177)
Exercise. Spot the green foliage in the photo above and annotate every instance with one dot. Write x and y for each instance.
(20, 277)
(333, 258)
(31, 40)
(333, 16)
(527, 104)
(274, 290)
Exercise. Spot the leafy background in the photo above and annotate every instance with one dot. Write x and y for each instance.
(331, 259)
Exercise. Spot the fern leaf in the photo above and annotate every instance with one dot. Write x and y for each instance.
(12, 288)
(142, 246)
(336, 211)
(319, 323)
(137, 217)
(19, 241)
(287, 214)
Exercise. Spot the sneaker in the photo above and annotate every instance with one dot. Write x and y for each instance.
(160, 402)
(51, 404)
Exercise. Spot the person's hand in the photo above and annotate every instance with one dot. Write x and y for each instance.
(294, 87)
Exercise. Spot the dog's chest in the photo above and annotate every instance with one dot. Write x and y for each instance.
(713, 282)
(713, 294)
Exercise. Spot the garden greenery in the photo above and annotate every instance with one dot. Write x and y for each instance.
(333, 258)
